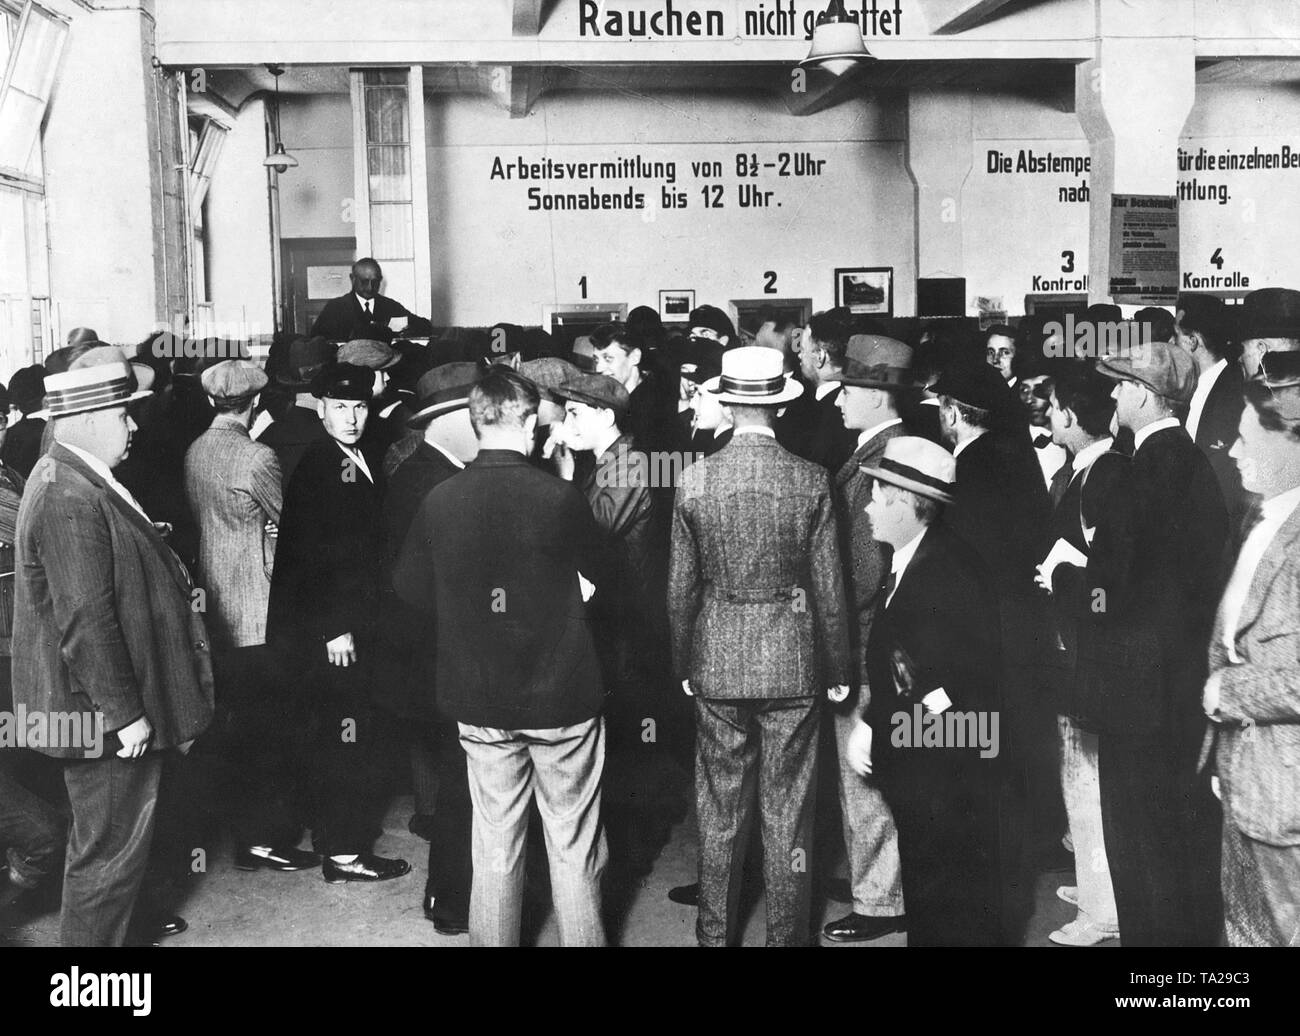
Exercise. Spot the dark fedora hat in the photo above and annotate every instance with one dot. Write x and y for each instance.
(307, 358)
(1270, 313)
(975, 384)
(442, 390)
(344, 381)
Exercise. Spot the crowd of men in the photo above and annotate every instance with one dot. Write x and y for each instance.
(1020, 599)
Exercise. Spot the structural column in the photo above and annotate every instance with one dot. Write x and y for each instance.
(939, 157)
(1132, 100)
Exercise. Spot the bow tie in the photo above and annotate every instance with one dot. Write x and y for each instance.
(1042, 440)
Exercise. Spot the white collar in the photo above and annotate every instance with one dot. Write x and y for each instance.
(876, 429)
(1090, 453)
(1278, 508)
(94, 463)
(825, 388)
(364, 301)
(1211, 375)
(443, 450)
(357, 456)
(754, 429)
(902, 558)
(1155, 426)
(956, 450)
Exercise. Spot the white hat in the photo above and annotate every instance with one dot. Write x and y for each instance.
(917, 465)
(753, 375)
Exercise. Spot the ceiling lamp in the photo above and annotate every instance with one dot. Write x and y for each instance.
(279, 159)
(837, 41)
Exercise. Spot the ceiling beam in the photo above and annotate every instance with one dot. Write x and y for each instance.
(947, 17)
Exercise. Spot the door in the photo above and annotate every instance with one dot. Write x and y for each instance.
(316, 270)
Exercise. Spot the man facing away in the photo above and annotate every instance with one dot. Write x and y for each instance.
(759, 627)
(498, 553)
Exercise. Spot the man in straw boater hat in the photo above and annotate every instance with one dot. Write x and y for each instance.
(759, 628)
(877, 385)
(104, 636)
(930, 733)
(1154, 577)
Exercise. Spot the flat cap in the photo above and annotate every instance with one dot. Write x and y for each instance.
(366, 352)
(548, 373)
(233, 379)
(596, 390)
(344, 381)
(1167, 370)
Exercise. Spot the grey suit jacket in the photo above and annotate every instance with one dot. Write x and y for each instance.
(866, 560)
(1258, 749)
(756, 592)
(233, 488)
(104, 619)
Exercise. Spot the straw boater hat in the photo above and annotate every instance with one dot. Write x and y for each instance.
(83, 389)
(919, 466)
(753, 375)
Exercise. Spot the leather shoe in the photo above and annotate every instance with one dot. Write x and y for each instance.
(441, 924)
(276, 860)
(859, 927)
(686, 895)
(170, 926)
(364, 868)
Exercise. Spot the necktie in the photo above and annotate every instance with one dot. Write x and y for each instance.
(1061, 480)
(891, 584)
(369, 311)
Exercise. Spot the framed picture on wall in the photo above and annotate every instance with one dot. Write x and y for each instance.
(675, 305)
(866, 290)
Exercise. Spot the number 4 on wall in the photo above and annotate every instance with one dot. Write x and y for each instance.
(1217, 259)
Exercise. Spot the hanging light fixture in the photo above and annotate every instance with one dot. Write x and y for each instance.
(837, 41)
(279, 159)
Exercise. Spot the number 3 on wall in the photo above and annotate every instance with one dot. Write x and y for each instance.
(1068, 265)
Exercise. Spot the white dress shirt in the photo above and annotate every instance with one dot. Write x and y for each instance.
(455, 460)
(1051, 459)
(106, 473)
(876, 429)
(754, 429)
(1273, 515)
(354, 454)
(825, 388)
(1204, 385)
(1155, 426)
(902, 558)
(1088, 454)
(956, 450)
(367, 306)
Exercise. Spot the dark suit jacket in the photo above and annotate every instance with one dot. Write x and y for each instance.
(1001, 508)
(329, 556)
(816, 430)
(408, 640)
(23, 445)
(494, 552)
(1217, 432)
(104, 618)
(866, 559)
(942, 627)
(1153, 581)
(755, 588)
(343, 319)
(290, 435)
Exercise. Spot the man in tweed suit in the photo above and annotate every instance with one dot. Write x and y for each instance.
(232, 485)
(1253, 691)
(756, 606)
(103, 628)
(877, 371)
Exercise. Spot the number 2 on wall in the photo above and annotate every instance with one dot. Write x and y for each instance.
(769, 285)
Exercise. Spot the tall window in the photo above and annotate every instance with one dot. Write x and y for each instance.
(31, 42)
(388, 166)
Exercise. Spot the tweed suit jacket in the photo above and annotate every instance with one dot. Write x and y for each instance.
(233, 488)
(756, 592)
(866, 560)
(104, 619)
(1258, 746)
